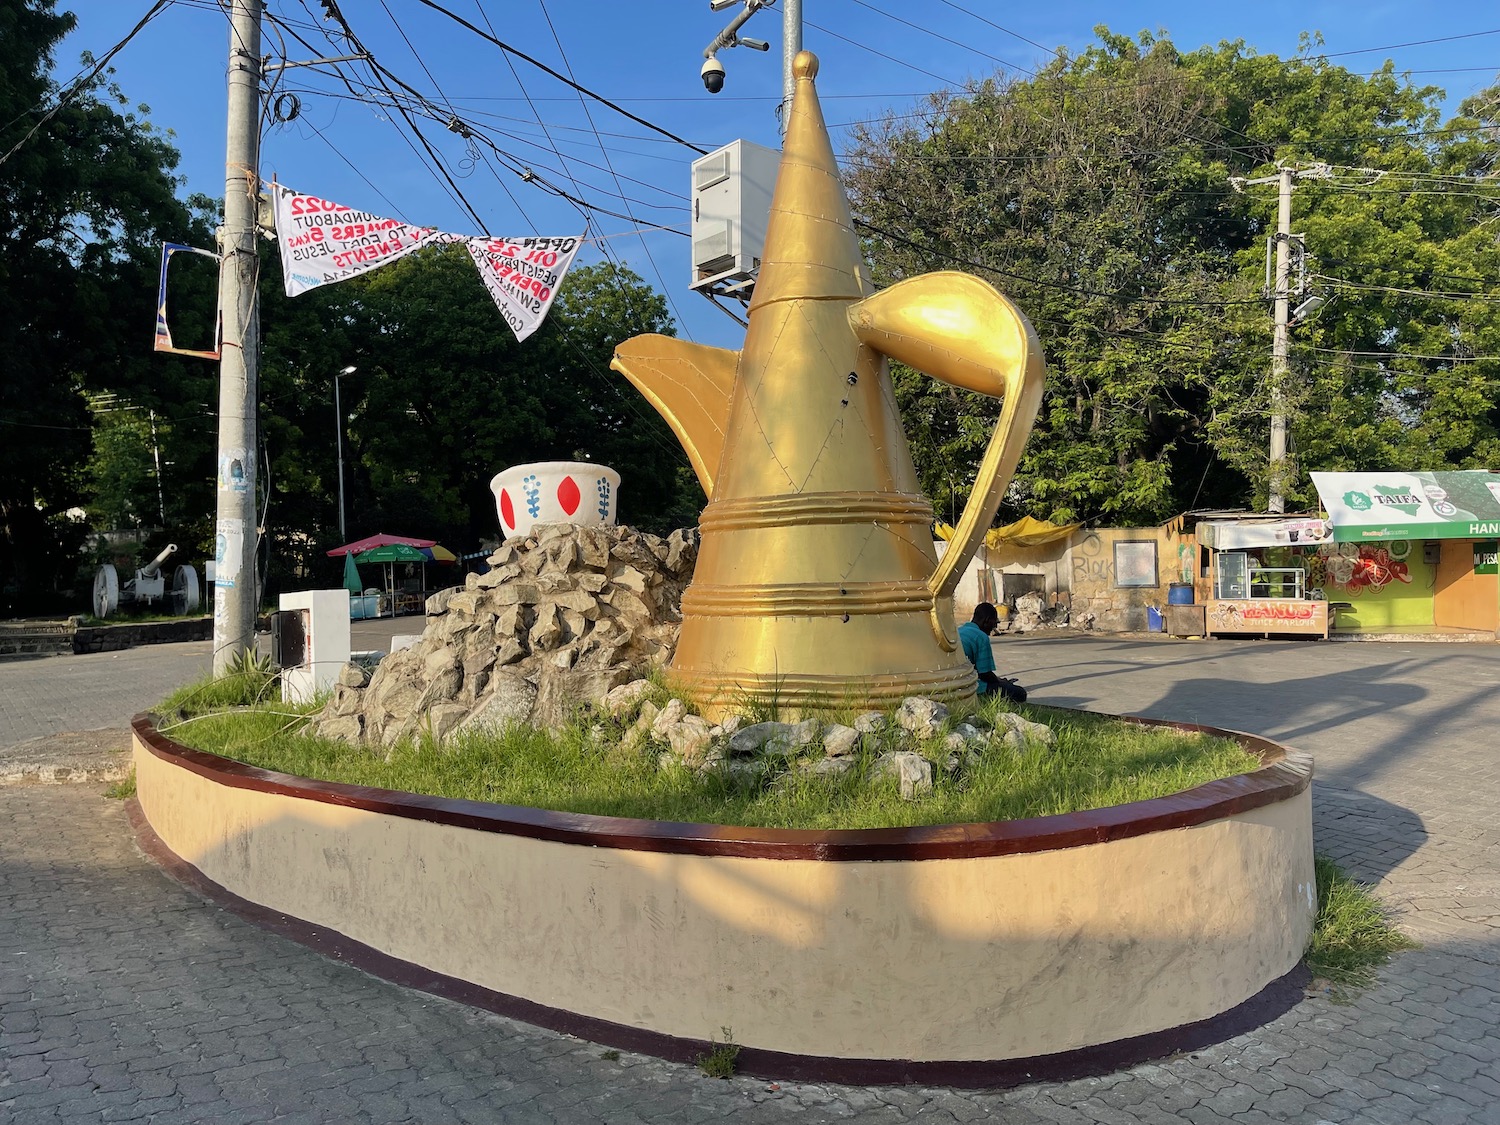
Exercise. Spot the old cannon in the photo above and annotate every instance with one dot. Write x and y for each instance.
(147, 587)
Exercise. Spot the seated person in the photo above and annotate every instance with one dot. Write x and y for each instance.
(975, 637)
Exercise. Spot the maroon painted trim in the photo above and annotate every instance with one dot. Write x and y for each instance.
(1277, 780)
(1272, 1001)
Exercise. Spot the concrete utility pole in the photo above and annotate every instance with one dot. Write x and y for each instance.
(791, 43)
(338, 409)
(236, 533)
(1276, 501)
(1280, 474)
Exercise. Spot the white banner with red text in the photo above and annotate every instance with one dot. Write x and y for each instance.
(522, 275)
(322, 242)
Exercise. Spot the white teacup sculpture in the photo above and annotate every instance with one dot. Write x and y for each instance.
(577, 492)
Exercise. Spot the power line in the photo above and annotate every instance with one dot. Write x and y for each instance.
(1048, 284)
(1397, 355)
(869, 49)
(937, 35)
(589, 117)
(522, 55)
(1398, 46)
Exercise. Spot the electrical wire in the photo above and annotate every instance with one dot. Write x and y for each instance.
(589, 117)
(1048, 284)
(522, 55)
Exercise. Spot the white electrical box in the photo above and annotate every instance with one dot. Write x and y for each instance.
(311, 642)
(731, 201)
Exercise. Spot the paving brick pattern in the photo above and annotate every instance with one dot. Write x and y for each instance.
(125, 998)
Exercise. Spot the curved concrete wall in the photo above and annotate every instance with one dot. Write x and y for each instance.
(957, 944)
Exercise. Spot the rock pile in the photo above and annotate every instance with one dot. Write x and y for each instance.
(561, 618)
(1032, 612)
(903, 744)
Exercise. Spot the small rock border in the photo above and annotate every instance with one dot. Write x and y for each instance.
(906, 744)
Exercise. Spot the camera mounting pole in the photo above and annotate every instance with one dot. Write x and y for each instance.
(713, 70)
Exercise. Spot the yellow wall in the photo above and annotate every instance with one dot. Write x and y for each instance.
(1093, 578)
(955, 959)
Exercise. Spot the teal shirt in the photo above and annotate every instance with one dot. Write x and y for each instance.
(977, 649)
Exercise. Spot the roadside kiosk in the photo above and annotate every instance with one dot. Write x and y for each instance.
(1259, 579)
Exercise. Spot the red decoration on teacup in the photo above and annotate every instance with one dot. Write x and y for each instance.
(568, 495)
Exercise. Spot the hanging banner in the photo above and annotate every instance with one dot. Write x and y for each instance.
(323, 242)
(163, 329)
(523, 275)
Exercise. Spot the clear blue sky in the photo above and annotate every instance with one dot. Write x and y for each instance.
(646, 56)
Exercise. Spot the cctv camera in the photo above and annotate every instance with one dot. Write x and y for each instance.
(713, 75)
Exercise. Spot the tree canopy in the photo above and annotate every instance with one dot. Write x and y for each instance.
(85, 197)
(1098, 195)
(444, 397)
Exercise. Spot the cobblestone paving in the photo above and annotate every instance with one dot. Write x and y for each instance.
(124, 997)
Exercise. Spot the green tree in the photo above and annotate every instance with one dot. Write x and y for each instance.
(445, 397)
(1097, 195)
(84, 199)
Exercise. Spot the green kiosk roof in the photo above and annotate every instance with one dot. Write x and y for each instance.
(1372, 506)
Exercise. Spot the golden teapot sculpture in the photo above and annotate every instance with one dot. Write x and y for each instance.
(817, 584)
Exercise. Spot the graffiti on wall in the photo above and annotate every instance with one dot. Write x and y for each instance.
(1092, 563)
(1351, 569)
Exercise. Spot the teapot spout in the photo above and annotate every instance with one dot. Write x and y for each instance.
(690, 386)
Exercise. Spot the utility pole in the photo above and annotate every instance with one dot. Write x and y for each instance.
(338, 409)
(1280, 475)
(791, 44)
(1276, 501)
(236, 532)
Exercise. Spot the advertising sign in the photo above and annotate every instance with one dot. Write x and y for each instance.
(1269, 615)
(1442, 505)
(323, 242)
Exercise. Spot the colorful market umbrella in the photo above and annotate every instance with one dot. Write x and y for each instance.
(351, 576)
(391, 554)
(370, 542)
(439, 554)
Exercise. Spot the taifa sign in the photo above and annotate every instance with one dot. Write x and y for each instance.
(1363, 507)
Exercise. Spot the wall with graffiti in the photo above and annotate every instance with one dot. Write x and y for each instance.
(1117, 601)
(1387, 584)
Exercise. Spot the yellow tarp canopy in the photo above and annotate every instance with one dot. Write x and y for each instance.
(1025, 532)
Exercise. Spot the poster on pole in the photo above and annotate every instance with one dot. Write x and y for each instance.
(322, 242)
(164, 341)
(523, 275)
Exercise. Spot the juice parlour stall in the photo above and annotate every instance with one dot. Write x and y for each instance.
(1413, 552)
(1261, 575)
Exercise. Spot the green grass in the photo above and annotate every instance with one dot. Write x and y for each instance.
(1353, 935)
(1097, 762)
(123, 789)
(721, 1058)
(127, 617)
(248, 682)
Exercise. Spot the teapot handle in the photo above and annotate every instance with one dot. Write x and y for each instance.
(963, 332)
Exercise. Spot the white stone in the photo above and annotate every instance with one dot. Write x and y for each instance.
(753, 739)
(690, 739)
(827, 767)
(623, 699)
(1026, 729)
(669, 716)
(921, 717)
(870, 722)
(840, 741)
(913, 771)
(508, 702)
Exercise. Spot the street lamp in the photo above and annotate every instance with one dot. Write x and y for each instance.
(338, 411)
